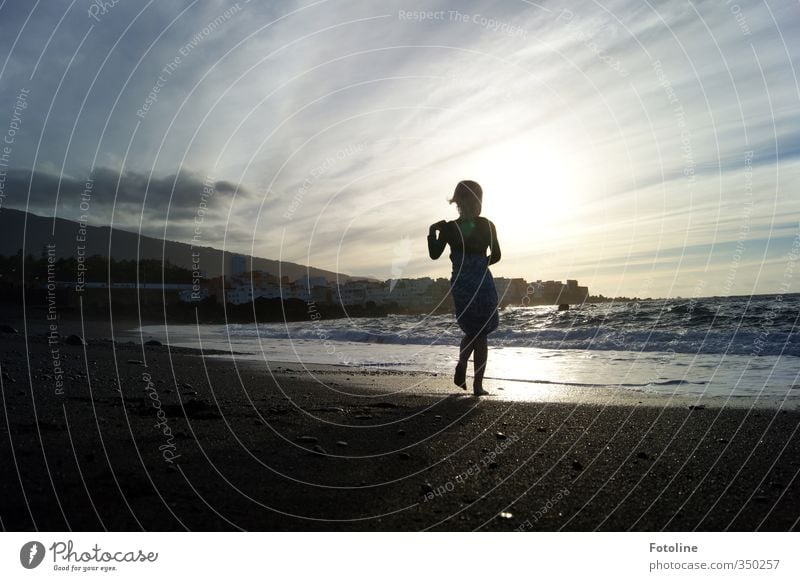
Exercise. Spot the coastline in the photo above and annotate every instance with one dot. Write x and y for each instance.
(211, 443)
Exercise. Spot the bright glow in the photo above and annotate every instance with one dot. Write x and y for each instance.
(532, 186)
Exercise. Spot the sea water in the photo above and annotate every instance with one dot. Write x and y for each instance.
(726, 347)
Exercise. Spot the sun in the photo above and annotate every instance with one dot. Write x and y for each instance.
(530, 186)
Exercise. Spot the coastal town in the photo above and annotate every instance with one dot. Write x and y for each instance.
(242, 287)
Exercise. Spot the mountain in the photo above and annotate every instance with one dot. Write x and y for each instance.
(71, 238)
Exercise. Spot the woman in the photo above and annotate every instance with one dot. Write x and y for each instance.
(471, 284)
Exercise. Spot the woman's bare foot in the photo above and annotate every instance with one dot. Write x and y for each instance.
(478, 391)
(460, 378)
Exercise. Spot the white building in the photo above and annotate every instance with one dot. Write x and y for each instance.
(410, 291)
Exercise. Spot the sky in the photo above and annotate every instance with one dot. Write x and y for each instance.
(644, 148)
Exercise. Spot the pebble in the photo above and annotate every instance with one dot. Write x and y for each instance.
(505, 515)
(642, 455)
(401, 432)
(426, 488)
(577, 465)
(500, 436)
(74, 340)
(541, 429)
(308, 439)
(8, 329)
(317, 449)
(342, 443)
(135, 361)
(153, 343)
(404, 455)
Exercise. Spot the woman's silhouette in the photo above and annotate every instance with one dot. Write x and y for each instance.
(471, 284)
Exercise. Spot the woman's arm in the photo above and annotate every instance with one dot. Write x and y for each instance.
(494, 245)
(436, 245)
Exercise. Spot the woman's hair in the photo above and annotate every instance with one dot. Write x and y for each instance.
(468, 196)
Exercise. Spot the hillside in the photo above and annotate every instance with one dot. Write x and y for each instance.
(124, 245)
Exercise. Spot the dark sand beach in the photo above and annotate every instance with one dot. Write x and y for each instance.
(206, 443)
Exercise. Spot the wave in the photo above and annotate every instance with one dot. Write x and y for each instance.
(602, 338)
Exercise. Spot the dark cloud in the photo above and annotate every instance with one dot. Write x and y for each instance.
(161, 199)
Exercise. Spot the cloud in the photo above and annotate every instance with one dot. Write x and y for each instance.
(131, 199)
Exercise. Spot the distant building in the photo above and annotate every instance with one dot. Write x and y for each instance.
(410, 291)
(510, 291)
(238, 265)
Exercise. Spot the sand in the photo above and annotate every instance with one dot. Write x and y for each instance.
(160, 438)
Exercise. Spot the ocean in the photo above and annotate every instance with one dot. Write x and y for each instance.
(721, 347)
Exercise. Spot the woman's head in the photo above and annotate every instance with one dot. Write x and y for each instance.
(468, 197)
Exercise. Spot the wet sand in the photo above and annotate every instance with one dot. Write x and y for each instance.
(159, 438)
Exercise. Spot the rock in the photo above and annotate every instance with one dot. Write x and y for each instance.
(307, 439)
(74, 340)
(541, 430)
(153, 343)
(187, 386)
(319, 450)
(437, 417)
(364, 417)
(493, 465)
(135, 361)
(401, 432)
(697, 407)
(404, 455)
(8, 329)
(505, 515)
(342, 444)
(426, 488)
(722, 440)
(500, 436)
(577, 465)
(642, 455)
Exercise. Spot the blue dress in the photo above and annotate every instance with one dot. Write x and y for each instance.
(474, 294)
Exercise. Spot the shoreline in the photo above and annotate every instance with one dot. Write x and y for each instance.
(250, 449)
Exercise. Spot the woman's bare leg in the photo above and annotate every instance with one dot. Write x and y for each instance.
(481, 347)
(467, 345)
